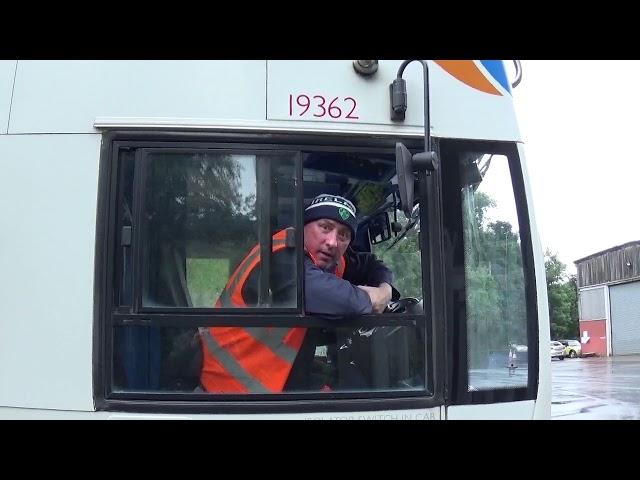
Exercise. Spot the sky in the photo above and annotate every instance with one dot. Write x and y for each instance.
(579, 123)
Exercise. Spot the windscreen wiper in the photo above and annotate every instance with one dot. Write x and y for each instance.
(409, 226)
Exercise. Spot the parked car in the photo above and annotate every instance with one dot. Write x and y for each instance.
(557, 350)
(572, 348)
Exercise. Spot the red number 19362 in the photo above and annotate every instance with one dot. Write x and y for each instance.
(318, 107)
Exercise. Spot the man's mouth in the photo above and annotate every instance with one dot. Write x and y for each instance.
(325, 256)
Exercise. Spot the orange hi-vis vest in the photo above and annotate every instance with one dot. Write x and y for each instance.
(251, 359)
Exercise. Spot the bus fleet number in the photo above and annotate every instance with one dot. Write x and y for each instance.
(320, 106)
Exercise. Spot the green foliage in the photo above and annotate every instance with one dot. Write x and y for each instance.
(193, 197)
(369, 197)
(404, 260)
(195, 209)
(496, 308)
(563, 299)
(555, 270)
(481, 202)
(206, 278)
(483, 314)
(405, 263)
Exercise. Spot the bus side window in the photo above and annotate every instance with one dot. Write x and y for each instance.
(496, 312)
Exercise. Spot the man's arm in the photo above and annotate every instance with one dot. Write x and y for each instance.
(327, 294)
(372, 276)
(380, 296)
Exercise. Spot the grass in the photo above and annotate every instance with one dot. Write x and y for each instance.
(206, 278)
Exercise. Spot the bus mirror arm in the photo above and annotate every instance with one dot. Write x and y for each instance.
(407, 164)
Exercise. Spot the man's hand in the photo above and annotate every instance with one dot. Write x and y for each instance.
(380, 296)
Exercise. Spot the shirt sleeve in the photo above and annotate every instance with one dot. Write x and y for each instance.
(330, 295)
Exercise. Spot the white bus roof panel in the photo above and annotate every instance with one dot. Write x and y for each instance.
(481, 108)
(67, 96)
(469, 98)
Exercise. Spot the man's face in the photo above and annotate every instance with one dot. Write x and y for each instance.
(326, 240)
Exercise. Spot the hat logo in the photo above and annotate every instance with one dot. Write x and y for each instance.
(343, 213)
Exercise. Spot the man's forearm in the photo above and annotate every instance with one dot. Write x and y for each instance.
(327, 294)
(380, 296)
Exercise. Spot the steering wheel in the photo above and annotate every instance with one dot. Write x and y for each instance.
(401, 305)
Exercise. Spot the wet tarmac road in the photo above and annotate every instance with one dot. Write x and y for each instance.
(598, 388)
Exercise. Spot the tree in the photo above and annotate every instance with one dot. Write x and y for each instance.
(404, 260)
(563, 298)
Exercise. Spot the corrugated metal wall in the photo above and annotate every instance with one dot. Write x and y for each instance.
(592, 306)
(610, 265)
(625, 318)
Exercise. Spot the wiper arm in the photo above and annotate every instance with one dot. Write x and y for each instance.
(409, 226)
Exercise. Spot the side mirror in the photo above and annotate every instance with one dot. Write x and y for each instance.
(406, 178)
(379, 228)
(405, 166)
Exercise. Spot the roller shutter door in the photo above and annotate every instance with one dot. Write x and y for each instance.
(625, 318)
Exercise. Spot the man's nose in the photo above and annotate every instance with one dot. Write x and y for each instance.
(332, 239)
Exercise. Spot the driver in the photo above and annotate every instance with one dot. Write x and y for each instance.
(339, 282)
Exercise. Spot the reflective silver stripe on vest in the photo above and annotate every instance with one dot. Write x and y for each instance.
(230, 364)
(274, 338)
(225, 299)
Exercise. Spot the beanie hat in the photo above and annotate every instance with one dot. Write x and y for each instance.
(333, 207)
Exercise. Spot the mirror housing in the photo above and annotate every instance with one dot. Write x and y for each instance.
(379, 228)
(404, 171)
(406, 164)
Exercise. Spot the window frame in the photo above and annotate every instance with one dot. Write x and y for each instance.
(140, 185)
(457, 358)
(107, 316)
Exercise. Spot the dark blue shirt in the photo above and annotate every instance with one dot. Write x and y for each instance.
(327, 294)
(324, 292)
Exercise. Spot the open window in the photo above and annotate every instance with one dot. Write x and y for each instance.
(207, 237)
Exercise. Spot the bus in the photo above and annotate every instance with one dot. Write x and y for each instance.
(131, 191)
